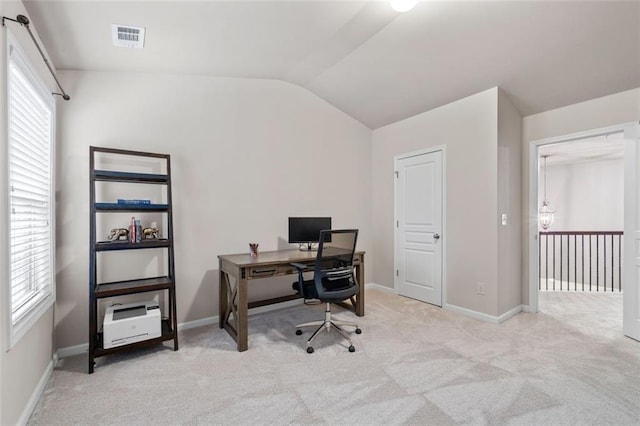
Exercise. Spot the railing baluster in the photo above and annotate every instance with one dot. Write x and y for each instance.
(620, 262)
(554, 261)
(568, 262)
(612, 274)
(597, 263)
(590, 265)
(560, 261)
(575, 262)
(568, 255)
(546, 263)
(582, 262)
(604, 263)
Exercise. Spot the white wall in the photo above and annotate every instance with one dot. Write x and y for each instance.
(597, 113)
(22, 367)
(245, 155)
(509, 201)
(468, 129)
(586, 196)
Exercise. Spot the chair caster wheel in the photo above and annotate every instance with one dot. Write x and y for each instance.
(298, 332)
(309, 350)
(358, 331)
(352, 348)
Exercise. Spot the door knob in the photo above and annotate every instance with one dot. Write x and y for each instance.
(436, 236)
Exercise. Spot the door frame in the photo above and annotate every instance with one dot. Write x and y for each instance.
(443, 238)
(531, 220)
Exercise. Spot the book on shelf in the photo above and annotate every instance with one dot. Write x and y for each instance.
(133, 202)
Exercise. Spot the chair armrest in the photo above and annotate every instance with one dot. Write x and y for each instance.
(300, 267)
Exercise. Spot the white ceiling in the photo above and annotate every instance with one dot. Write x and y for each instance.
(377, 65)
(599, 148)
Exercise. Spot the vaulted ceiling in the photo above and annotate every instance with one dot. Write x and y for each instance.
(377, 65)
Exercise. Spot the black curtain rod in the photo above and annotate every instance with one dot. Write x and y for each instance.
(24, 21)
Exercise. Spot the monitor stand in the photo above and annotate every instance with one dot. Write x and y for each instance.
(308, 247)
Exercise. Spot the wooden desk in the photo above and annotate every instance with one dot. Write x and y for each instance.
(237, 269)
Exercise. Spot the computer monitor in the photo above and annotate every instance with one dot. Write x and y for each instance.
(305, 231)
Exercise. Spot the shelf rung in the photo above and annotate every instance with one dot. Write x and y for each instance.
(119, 288)
(127, 245)
(114, 176)
(132, 207)
(167, 334)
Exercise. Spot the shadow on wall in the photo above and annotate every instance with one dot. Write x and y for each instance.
(205, 300)
(284, 244)
(71, 311)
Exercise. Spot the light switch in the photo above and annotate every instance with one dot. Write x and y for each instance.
(504, 219)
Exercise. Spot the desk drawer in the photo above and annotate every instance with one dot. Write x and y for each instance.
(270, 271)
(263, 271)
(286, 269)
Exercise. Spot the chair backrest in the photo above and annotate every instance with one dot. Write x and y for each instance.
(334, 278)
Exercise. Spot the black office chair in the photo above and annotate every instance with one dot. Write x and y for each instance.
(333, 280)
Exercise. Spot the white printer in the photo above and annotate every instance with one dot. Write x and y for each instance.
(130, 323)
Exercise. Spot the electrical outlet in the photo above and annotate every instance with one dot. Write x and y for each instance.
(480, 289)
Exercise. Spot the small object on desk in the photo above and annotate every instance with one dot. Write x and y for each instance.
(253, 249)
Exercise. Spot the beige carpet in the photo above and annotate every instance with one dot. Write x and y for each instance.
(414, 364)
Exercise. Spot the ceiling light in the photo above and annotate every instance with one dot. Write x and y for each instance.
(403, 5)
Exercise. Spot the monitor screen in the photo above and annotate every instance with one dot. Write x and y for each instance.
(307, 229)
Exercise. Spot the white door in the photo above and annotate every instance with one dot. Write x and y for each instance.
(631, 286)
(418, 236)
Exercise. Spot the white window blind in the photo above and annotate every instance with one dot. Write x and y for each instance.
(30, 149)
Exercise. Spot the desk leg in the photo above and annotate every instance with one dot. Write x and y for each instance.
(223, 306)
(360, 295)
(243, 315)
(233, 308)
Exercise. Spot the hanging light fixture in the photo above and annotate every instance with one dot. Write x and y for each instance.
(545, 216)
(403, 5)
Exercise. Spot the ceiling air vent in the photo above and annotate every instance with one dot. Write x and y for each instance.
(127, 36)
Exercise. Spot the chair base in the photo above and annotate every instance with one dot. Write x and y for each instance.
(326, 325)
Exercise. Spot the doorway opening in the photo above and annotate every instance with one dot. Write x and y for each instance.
(581, 199)
(578, 202)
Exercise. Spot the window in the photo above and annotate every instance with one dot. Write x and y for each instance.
(30, 118)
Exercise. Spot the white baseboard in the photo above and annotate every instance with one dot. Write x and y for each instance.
(511, 312)
(482, 316)
(382, 288)
(37, 392)
(214, 319)
(198, 323)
